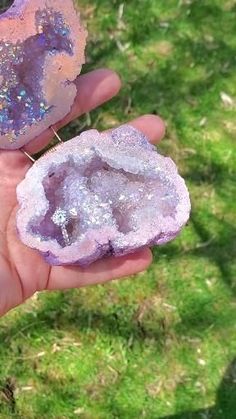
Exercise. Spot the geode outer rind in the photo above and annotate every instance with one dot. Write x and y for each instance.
(42, 47)
(120, 193)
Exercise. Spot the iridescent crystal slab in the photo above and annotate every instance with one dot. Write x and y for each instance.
(100, 195)
(41, 53)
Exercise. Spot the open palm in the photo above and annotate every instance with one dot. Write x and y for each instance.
(22, 270)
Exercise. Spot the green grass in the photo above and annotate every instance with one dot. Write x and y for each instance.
(160, 345)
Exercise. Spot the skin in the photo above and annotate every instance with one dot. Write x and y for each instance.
(22, 270)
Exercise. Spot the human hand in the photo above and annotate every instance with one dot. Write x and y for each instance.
(23, 270)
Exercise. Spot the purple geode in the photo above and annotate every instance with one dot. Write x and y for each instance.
(99, 195)
(42, 46)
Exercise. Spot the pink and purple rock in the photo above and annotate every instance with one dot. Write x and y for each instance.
(42, 46)
(100, 195)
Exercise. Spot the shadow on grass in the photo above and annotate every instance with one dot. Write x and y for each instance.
(225, 407)
(5, 4)
(220, 249)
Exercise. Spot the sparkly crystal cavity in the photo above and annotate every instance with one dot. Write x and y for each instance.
(41, 53)
(100, 195)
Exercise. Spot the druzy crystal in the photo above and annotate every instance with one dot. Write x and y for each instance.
(99, 195)
(42, 46)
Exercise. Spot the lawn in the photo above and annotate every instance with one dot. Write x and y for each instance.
(161, 345)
